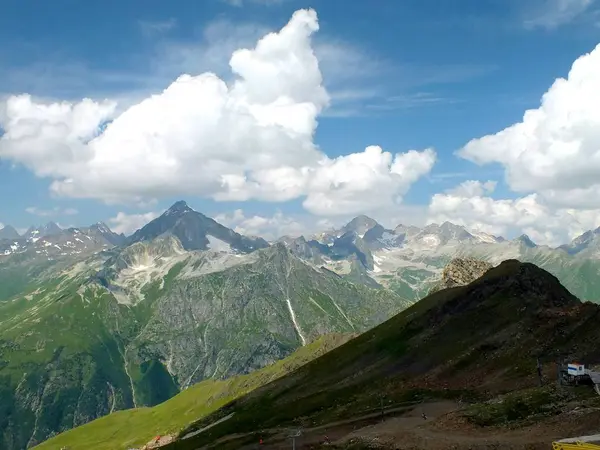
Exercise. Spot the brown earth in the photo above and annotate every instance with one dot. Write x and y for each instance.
(443, 428)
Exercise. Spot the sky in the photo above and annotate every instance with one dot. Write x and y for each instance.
(287, 116)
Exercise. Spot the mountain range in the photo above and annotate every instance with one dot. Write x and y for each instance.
(92, 321)
(88, 327)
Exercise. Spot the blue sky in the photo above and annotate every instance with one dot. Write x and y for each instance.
(401, 75)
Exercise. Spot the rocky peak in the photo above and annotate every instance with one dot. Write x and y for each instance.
(360, 225)
(406, 231)
(8, 232)
(101, 227)
(101, 230)
(586, 240)
(179, 207)
(528, 284)
(50, 229)
(450, 230)
(195, 231)
(526, 241)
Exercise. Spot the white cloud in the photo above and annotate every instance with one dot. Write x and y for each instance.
(56, 211)
(250, 139)
(551, 14)
(210, 52)
(365, 182)
(129, 223)
(346, 67)
(555, 149)
(472, 188)
(468, 205)
(269, 228)
(50, 138)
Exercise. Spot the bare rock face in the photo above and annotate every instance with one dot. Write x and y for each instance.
(460, 272)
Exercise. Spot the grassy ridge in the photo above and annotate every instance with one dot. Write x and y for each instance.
(135, 427)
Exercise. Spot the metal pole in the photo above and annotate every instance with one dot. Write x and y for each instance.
(293, 443)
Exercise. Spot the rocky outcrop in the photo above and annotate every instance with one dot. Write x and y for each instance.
(460, 272)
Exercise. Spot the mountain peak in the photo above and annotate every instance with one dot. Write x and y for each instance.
(526, 240)
(178, 207)
(50, 229)
(102, 227)
(360, 224)
(9, 232)
(527, 278)
(195, 231)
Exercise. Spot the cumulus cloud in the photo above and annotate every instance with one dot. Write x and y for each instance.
(249, 139)
(555, 149)
(364, 182)
(56, 211)
(268, 227)
(470, 205)
(129, 223)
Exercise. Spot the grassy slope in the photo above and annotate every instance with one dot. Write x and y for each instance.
(135, 427)
(455, 342)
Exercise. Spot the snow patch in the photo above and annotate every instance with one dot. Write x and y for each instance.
(483, 237)
(431, 240)
(217, 244)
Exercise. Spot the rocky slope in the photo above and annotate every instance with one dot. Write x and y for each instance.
(460, 272)
(476, 340)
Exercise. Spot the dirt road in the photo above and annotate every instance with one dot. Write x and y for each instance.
(407, 429)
